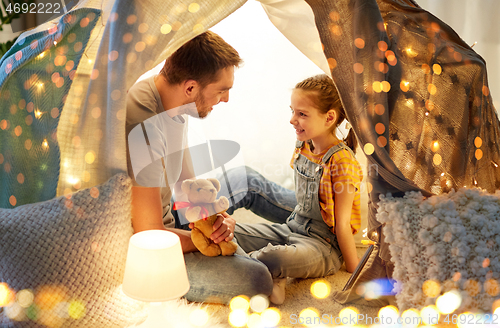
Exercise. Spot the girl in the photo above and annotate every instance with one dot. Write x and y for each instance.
(318, 234)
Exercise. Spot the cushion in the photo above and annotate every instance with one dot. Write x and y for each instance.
(443, 243)
(63, 260)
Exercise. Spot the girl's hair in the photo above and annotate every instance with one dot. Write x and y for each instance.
(325, 98)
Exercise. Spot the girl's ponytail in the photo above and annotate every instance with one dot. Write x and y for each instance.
(351, 141)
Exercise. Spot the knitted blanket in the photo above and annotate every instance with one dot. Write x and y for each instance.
(62, 261)
(443, 243)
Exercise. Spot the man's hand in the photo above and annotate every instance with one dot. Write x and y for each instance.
(223, 228)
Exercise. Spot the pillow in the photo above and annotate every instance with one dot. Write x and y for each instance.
(63, 260)
(442, 243)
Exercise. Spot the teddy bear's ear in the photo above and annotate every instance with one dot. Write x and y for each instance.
(186, 185)
(215, 182)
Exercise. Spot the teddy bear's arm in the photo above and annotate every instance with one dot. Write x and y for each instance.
(221, 204)
(193, 214)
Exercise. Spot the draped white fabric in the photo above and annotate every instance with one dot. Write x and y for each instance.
(295, 19)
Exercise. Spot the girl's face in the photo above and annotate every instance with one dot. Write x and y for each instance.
(308, 121)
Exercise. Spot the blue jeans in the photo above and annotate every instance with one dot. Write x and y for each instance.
(218, 279)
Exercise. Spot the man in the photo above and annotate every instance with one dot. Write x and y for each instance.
(201, 72)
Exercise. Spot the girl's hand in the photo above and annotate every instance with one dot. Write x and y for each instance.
(223, 228)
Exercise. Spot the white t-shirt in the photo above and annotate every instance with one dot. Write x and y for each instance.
(155, 142)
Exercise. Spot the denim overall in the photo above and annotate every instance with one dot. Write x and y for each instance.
(303, 247)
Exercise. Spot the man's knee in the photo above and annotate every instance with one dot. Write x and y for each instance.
(225, 277)
(258, 280)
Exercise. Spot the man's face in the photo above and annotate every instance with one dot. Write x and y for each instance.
(215, 92)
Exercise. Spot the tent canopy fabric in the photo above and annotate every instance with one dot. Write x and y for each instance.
(415, 93)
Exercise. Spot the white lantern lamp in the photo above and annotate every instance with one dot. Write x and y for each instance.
(155, 272)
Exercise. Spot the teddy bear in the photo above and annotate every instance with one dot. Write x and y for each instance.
(202, 209)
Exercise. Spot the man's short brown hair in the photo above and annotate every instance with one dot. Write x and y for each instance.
(200, 59)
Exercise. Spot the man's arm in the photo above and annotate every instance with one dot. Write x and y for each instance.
(147, 215)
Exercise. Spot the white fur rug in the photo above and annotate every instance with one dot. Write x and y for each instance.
(179, 314)
(299, 298)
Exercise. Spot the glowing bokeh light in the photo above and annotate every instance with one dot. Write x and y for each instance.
(437, 159)
(435, 146)
(430, 315)
(25, 298)
(238, 318)
(431, 288)
(166, 28)
(348, 314)
(332, 63)
(410, 318)
(90, 157)
(437, 69)
(94, 192)
(309, 316)
(47, 297)
(432, 89)
(368, 149)
(478, 142)
(198, 28)
(448, 302)
(76, 309)
(62, 310)
(271, 317)
(140, 46)
(377, 86)
(254, 321)
(380, 128)
(379, 109)
(320, 289)
(410, 52)
(359, 43)
(491, 287)
(358, 68)
(193, 7)
(382, 141)
(6, 294)
(472, 286)
(72, 180)
(239, 303)
(386, 86)
(15, 312)
(478, 154)
(259, 303)
(405, 86)
(389, 311)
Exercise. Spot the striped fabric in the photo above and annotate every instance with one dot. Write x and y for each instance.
(342, 168)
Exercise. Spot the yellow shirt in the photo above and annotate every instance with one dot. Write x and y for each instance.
(342, 168)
